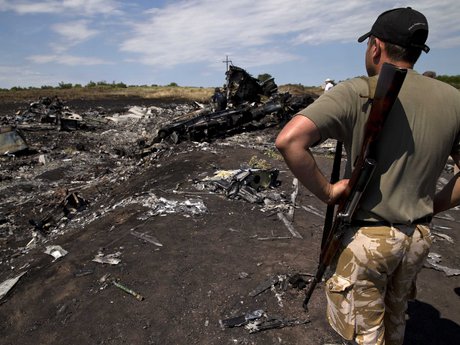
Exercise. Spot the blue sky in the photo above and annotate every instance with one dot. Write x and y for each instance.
(45, 42)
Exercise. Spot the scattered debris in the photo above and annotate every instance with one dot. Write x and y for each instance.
(433, 261)
(272, 281)
(246, 184)
(273, 322)
(51, 111)
(242, 319)
(162, 206)
(298, 280)
(258, 320)
(111, 259)
(62, 213)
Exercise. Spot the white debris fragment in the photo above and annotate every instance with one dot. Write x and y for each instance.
(313, 210)
(8, 284)
(162, 206)
(433, 262)
(289, 226)
(277, 295)
(443, 236)
(146, 237)
(56, 252)
(111, 259)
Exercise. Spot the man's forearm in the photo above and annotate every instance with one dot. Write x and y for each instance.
(303, 166)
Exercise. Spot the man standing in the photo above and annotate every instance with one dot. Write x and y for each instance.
(329, 84)
(384, 247)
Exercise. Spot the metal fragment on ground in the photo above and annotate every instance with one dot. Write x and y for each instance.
(313, 210)
(8, 284)
(161, 206)
(242, 319)
(443, 236)
(128, 290)
(267, 284)
(289, 226)
(56, 252)
(111, 259)
(271, 323)
(290, 214)
(146, 237)
(433, 261)
(11, 141)
(278, 296)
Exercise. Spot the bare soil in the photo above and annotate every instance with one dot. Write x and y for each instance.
(208, 262)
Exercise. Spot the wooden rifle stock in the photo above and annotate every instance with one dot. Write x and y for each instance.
(335, 175)
(388, 86)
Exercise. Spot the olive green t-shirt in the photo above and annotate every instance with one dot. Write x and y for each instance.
(421, 131)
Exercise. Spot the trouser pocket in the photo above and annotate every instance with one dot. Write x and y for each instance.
(340, 313)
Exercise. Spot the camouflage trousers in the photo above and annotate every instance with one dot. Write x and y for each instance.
(373, 278)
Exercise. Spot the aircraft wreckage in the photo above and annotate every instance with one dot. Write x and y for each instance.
(244, 104)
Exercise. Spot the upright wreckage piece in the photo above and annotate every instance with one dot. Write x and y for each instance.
(245, 110)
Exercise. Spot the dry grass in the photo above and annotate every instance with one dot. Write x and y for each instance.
(199, 94)
(154, 92)
(296, 89)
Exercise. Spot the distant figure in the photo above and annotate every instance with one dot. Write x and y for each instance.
(429, 74)
(219, 100)
(329, 84)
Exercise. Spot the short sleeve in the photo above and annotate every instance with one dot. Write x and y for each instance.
(336, 112)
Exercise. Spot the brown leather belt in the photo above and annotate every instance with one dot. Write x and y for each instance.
(423, 220)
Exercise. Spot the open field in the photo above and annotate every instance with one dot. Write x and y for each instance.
(171, 93)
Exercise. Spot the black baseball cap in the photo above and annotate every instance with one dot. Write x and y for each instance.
(404, 27)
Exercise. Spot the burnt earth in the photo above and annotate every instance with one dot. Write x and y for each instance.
(208, 262)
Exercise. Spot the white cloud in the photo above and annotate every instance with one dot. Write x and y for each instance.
(77, 31)
(68, 60)
(19, 76)
(200, 30)
(80, 7)
(72, 33)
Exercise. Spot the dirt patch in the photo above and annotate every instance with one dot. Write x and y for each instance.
(204, 265)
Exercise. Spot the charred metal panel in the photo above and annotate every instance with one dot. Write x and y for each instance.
(11, 141)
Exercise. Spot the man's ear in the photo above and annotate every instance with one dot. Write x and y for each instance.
(377, 48)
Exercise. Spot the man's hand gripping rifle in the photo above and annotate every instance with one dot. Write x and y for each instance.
(389, 83)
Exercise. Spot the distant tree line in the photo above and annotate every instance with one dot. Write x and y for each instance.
(452, 80)
(91, 84)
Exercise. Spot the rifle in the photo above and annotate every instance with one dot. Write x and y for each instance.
(388, 86)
